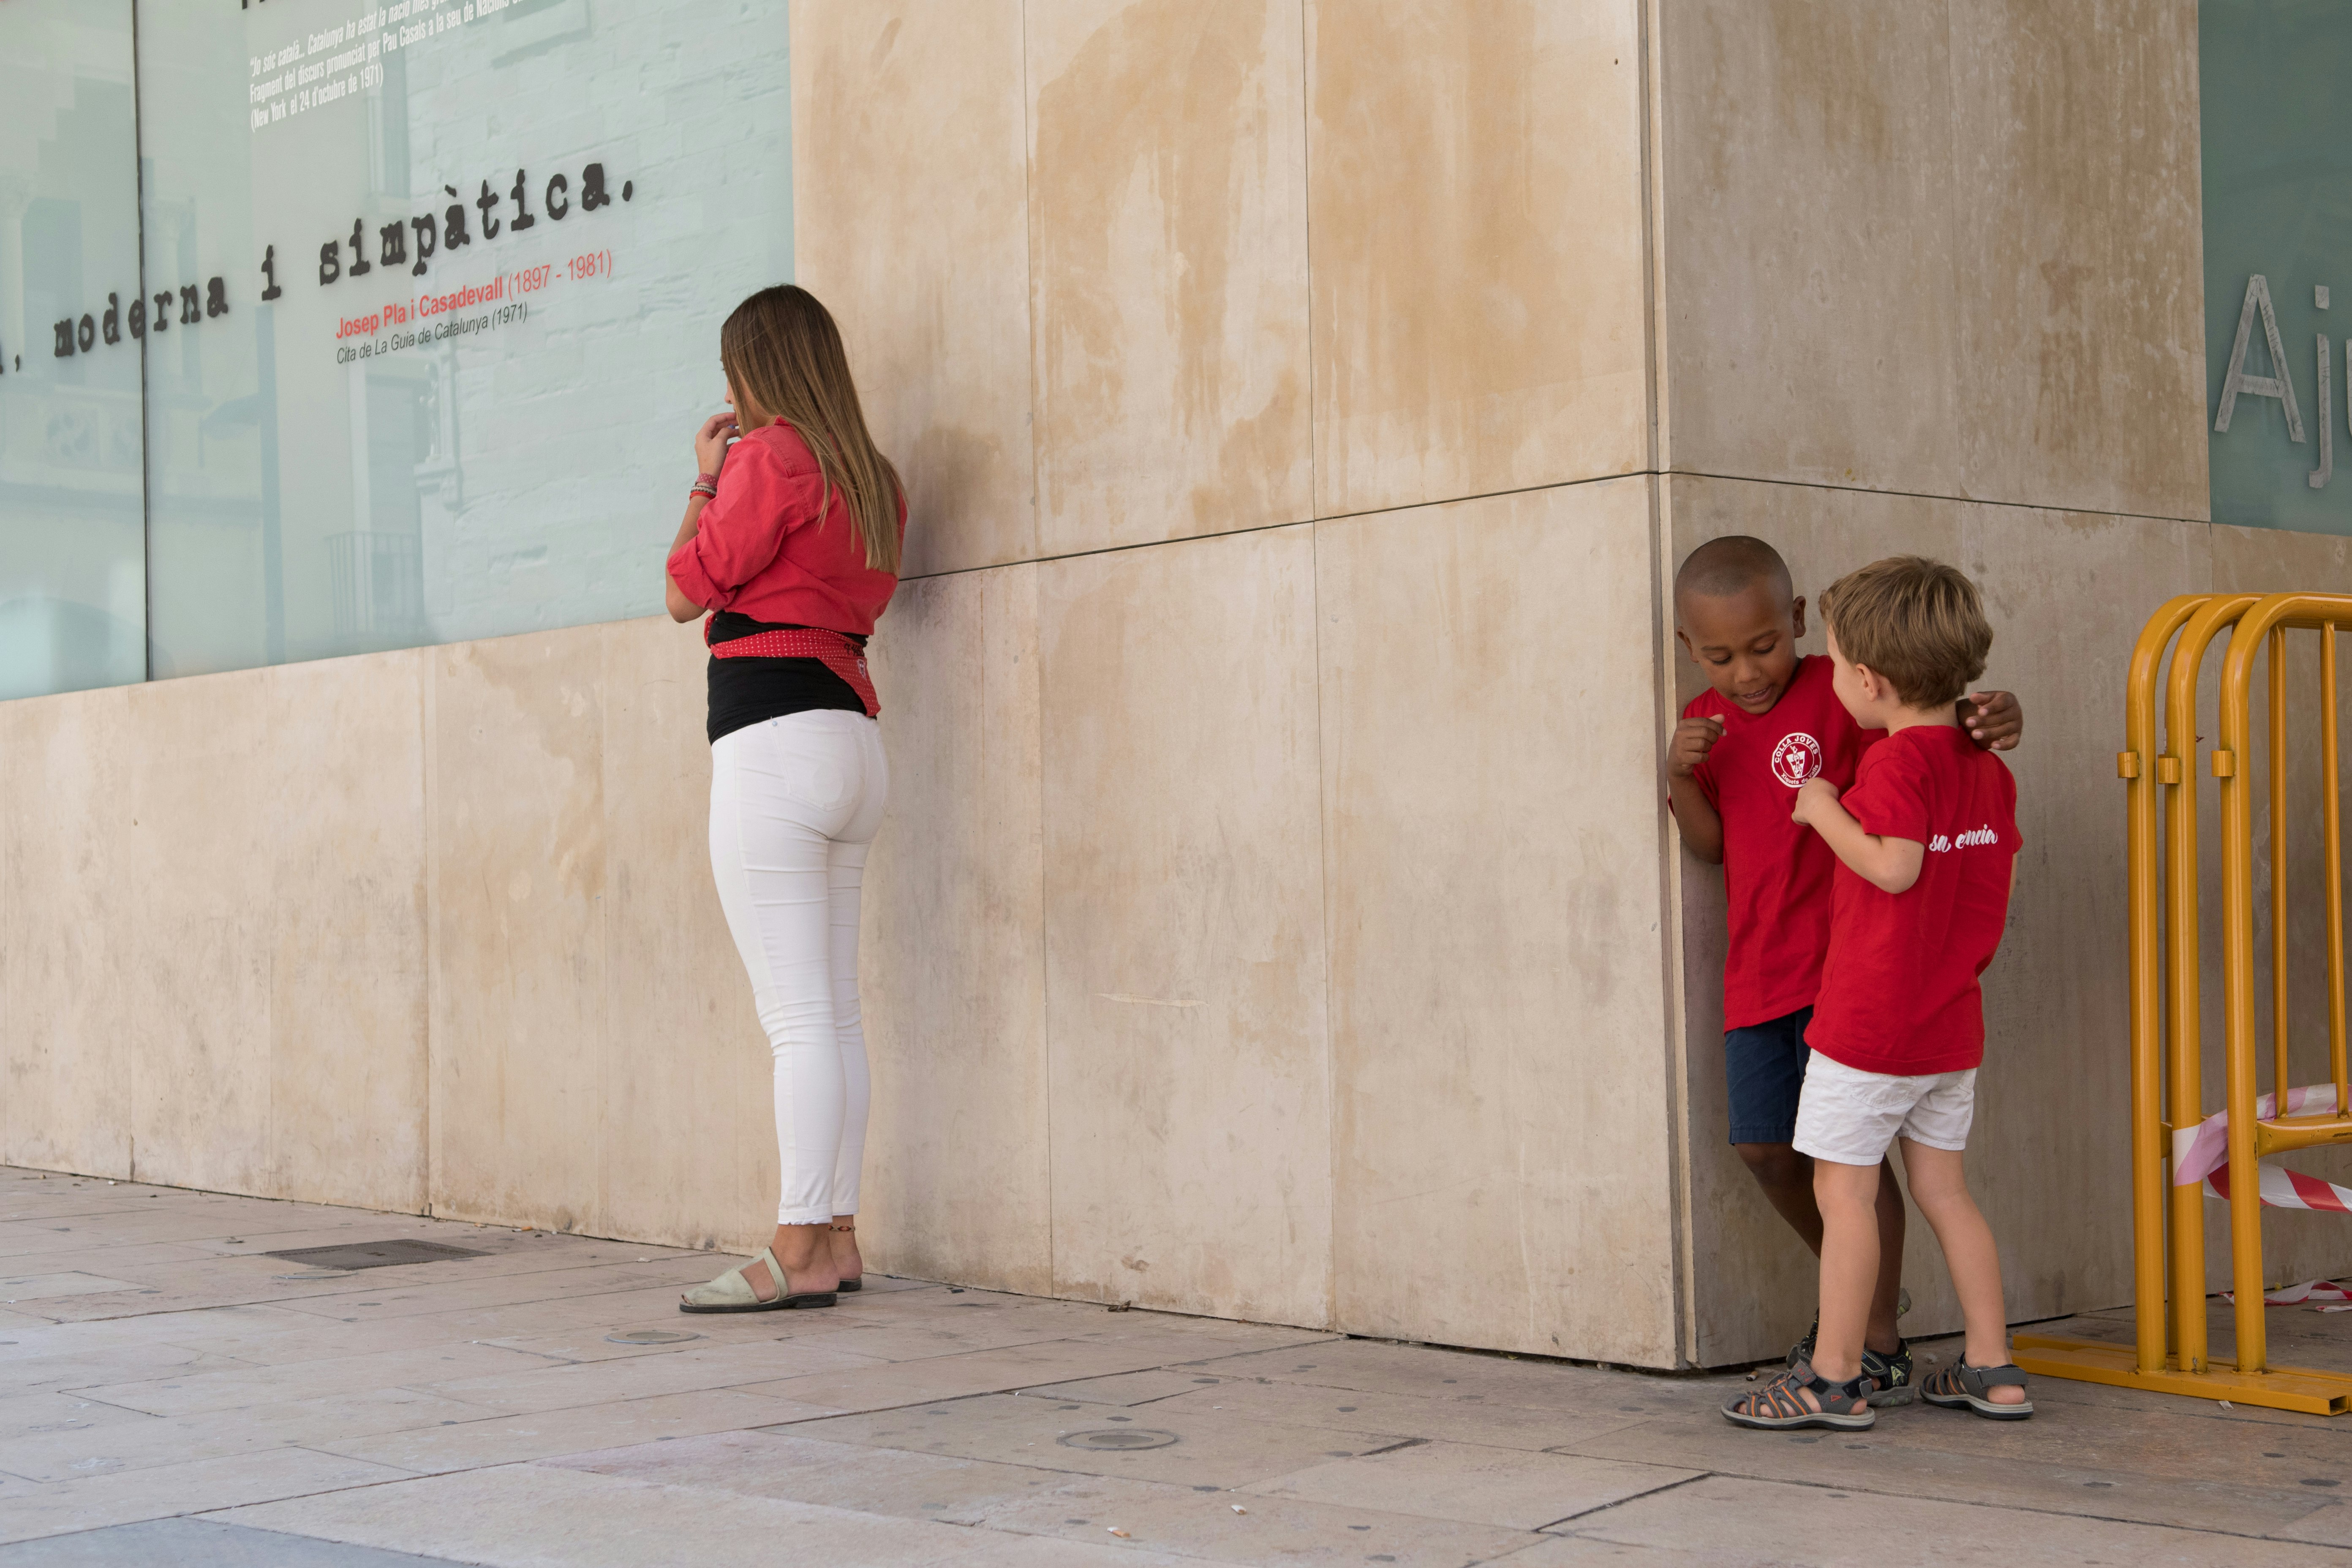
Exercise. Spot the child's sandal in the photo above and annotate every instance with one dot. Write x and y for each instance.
(1964, 1387)
(1777, 1408)
(1890, 1374)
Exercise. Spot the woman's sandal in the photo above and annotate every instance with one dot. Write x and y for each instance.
(730, 1292)
(1961, 1386)
(847, 1286)
(1776, 1407)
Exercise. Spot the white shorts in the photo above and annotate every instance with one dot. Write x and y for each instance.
(1850, 1117)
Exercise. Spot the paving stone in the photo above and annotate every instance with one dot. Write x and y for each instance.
(88, 1368)
(265, 1334)
(1371, 1366)
(1035, 1552)
(197, 1541)
(94, 1255)
(1268, 1530)
(778, 1463)
(250, 1217)
(983, 1372)
(397, 1299)
(535, 1515)
(1476, 1485)
(682, 1370)
(920, 1422)
(1127, 1389)
(50, 1415)
(158, 1492)
(2328, 1526)
(15, 1289)
(199, 1391)
(1922, 1452)
(1349, 1410)
(145, 1441)
(511, 1439)
(1206, 1451)
(920, 1342)
(594, 1341)
(205, 1283)
(262, 1334)
(1727, 1520)
(515, 1305)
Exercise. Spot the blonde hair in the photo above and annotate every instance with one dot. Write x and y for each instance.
(1917, 623)
(783, 357)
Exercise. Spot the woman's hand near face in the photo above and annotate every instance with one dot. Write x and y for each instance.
(710, 442)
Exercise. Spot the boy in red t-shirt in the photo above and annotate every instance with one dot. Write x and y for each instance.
(1926, 843)
(1741, 751)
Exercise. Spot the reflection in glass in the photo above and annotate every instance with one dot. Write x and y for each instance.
(473, 256)
(72, 550)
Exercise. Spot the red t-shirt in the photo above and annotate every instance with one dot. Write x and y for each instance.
(1899, 991)
(1776, 873)
(762, 550)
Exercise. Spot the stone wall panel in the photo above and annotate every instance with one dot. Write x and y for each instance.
(957, 1162)
(65, 772)
(516, 875)
(339, 785)
(911, 169)
(1946, 250)
(1167, 244)
(1492, 836)
(1185, 975)
(687, 1147)
(1475, 208)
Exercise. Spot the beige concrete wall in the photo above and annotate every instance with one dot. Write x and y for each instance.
(212, 964)
(1215, 996)
(1304, 407)
(1948, 248)
(1274, 888)
(428, 928)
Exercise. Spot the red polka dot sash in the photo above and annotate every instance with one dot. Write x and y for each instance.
(830, 648)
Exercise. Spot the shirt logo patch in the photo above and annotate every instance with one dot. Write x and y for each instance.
(1797, 757)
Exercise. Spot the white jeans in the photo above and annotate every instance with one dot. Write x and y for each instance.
(794, 805)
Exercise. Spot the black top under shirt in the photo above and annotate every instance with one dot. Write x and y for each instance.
(746, 691)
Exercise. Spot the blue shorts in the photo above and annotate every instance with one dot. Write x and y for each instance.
(1764, 1065)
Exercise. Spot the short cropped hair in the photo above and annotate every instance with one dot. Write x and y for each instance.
(1917, 623)
(1732, 564)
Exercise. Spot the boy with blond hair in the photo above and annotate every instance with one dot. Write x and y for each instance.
(1927, 844)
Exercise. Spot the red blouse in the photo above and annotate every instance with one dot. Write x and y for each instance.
(762, 550)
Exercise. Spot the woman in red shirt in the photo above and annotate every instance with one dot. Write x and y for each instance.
(791, 543)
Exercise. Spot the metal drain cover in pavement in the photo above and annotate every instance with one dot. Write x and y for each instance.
(650, 1337)
(1118, 1438)
(373, 1254)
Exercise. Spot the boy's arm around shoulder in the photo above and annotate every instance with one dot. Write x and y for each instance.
(1994, 719)
(1890, 865)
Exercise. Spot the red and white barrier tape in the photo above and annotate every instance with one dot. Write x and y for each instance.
(2287, 1190)
(2315, 1292)
(2198, 1152)
(2201, 1154)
